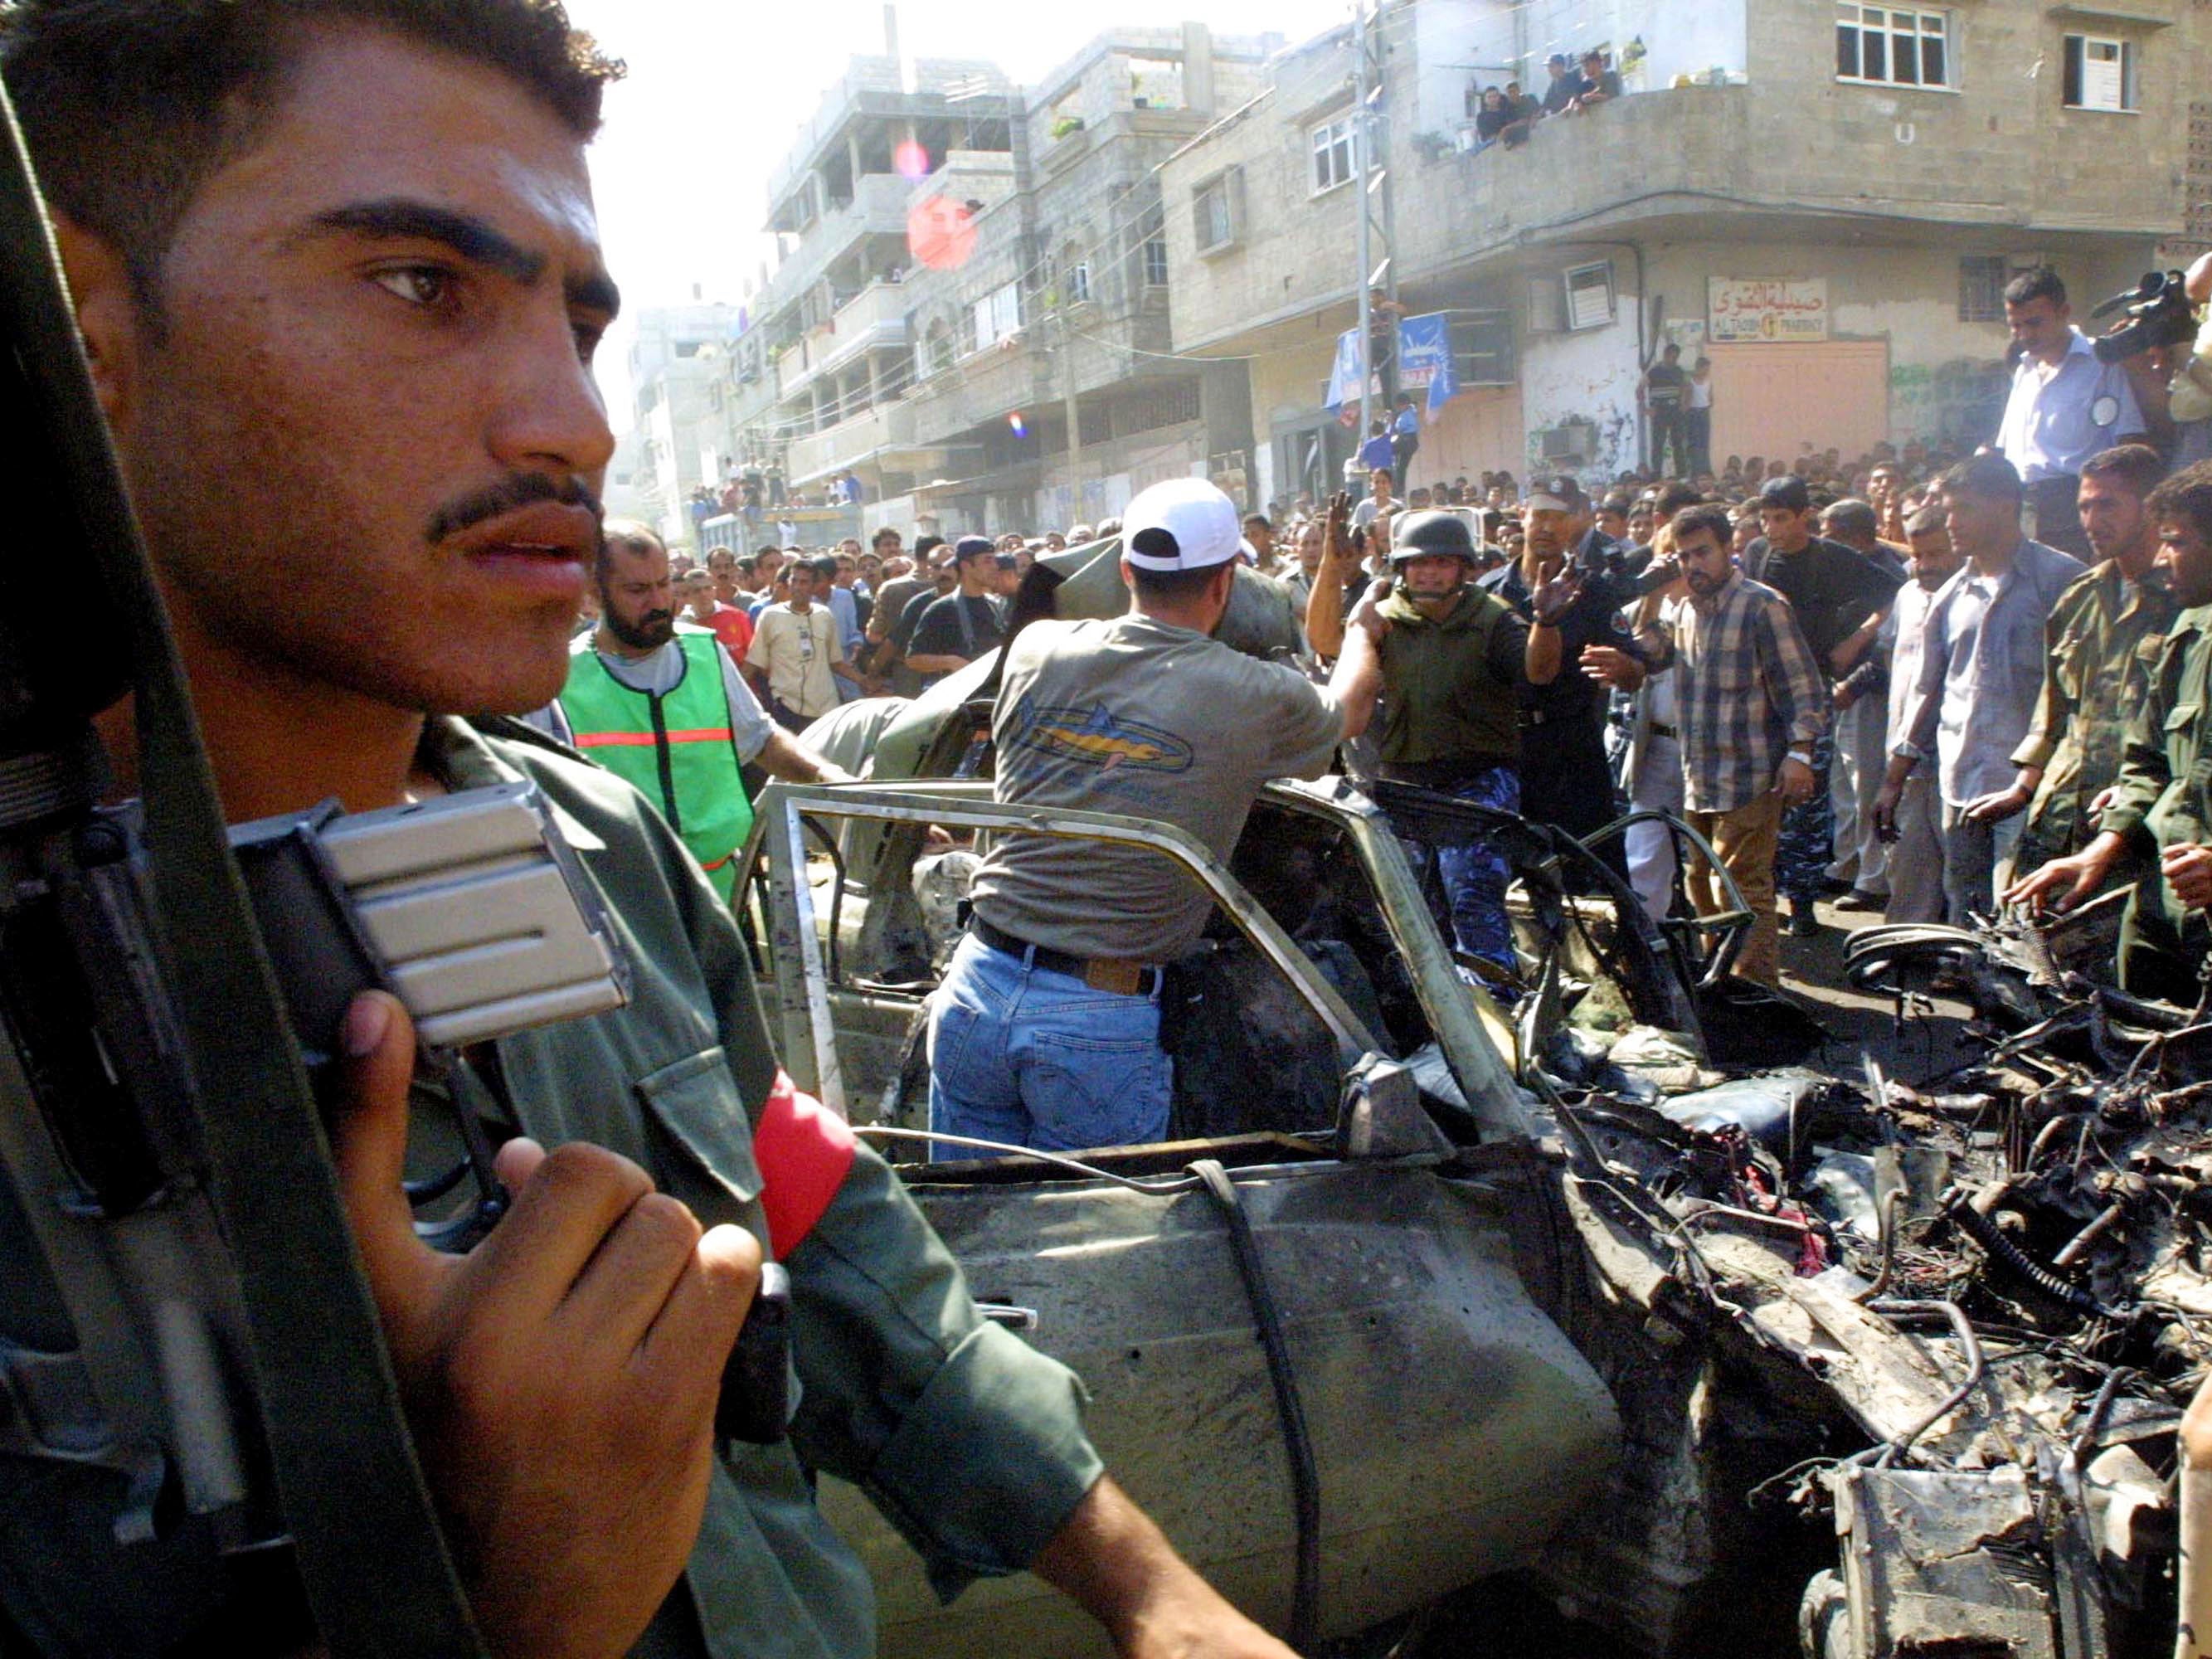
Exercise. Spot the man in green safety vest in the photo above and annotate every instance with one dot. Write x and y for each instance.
(663, 706)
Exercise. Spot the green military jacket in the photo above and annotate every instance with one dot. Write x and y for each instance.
(1450, 683)
(2164, 794)
(2101, 644)
(970, 1441)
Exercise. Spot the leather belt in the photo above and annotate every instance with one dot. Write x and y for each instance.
(1659, 731)
(1529, 717)
(1110, 974)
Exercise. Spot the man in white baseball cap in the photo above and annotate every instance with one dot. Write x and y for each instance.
(1045, 1032)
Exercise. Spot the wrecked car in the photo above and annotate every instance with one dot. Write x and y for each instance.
(1577, 1280)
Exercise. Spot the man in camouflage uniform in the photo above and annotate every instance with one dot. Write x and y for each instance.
(2163, 799)
(2101, 643)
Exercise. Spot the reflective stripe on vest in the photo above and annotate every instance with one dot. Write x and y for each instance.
(678, 750)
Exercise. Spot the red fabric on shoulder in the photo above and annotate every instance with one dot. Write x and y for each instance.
(805, 1151)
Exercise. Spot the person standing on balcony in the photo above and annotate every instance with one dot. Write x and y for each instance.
(1566, 85)
(1599, 84)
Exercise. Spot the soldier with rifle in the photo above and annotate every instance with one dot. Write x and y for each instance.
(340, 258)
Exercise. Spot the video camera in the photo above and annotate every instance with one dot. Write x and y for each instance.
(2159, 314)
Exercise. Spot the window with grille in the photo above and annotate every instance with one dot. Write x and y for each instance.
(1885, 46)
(1078, 283)
(1332, 153)
(2100, 74)
(1982, 279)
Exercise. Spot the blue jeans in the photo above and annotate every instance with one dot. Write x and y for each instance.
(1024, 1055)
(1475, 874)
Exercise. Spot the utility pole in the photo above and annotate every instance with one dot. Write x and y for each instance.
(1370, 153)
(1067, 399)
(1366, 240)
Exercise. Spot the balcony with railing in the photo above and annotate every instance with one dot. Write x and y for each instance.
(969, 87)
(1670, 149)
(877, 208)
(858, 441)
(875, 317)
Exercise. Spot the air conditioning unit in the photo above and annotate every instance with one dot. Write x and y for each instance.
(1587, 298)
(1570, 444)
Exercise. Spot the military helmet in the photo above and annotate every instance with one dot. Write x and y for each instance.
(1431, 535)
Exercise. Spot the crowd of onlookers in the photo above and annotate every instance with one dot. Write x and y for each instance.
(878, 620)
(1958, 693)
(1955, 692)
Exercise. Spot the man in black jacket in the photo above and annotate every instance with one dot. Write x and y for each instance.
(1568, 580)
(1840, 597)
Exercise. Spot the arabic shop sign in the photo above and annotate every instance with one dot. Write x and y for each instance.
(1752, 314)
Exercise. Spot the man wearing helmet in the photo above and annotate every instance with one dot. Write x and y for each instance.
(1453, 658)
(1045, 1031)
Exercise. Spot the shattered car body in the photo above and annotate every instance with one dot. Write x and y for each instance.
(1723, 1365)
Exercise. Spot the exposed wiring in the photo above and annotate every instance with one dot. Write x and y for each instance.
(1897, 1312)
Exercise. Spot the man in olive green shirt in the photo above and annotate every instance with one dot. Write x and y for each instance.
(350, 258)
(2100, 642)
(2162, 802)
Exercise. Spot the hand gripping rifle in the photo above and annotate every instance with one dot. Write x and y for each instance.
(159, 1134)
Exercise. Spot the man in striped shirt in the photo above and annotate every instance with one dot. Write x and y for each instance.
(1752, 703)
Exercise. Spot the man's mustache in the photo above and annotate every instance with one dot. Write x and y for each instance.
(517, 490)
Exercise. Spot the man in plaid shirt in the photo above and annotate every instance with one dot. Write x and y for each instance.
(1752, 705)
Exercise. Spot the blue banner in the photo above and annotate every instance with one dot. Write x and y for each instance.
(1424, 358)
(1343, 376)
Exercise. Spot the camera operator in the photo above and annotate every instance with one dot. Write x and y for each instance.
(2155, 342)
(2067, 405)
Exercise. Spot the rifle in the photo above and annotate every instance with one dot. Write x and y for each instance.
(159, 1131)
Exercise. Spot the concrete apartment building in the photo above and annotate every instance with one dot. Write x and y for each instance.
(1824, 197)
(676, 442)
(971, 267)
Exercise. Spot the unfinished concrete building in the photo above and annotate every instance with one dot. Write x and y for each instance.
(979, 271)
